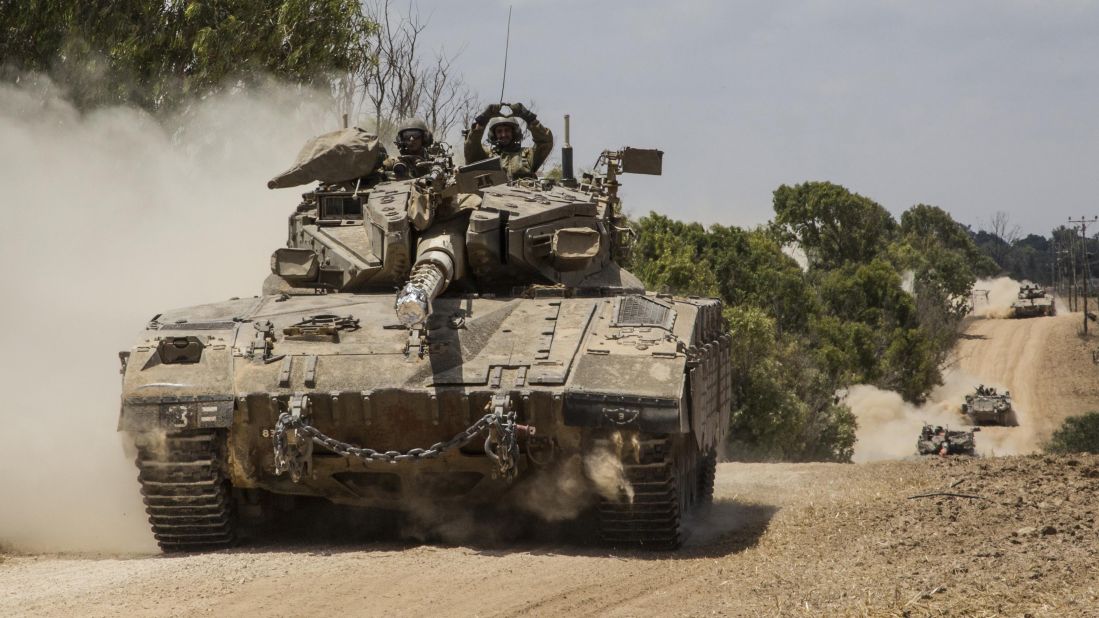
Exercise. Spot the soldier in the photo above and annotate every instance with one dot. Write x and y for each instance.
(505, 137)
(413, 141)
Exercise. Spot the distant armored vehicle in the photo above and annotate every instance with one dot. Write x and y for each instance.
(943, 442)
(986, 406)
(1032, 301)
(515, 342)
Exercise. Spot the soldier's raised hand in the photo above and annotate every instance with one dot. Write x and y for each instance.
(492, 109)
(520, 111)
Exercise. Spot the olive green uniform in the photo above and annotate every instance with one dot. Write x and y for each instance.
(517, 161)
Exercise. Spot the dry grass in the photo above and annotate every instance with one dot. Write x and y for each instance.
(855, 544)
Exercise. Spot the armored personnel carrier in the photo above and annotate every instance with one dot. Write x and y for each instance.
(1032, 301)
(443, 337)
(986, 406)
(943, 442)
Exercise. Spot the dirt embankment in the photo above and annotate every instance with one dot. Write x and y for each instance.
(1018, 537)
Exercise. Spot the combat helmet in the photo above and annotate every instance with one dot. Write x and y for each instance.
(517, 130)
(414, 124)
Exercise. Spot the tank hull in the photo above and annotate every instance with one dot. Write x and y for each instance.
(989, 410)
(576, 374)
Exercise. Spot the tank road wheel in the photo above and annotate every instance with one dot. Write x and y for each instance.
(667, 486)
(187, 496)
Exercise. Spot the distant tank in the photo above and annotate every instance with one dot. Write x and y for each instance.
(986, 406)
(514, 341)
(941, 441)
(1032, 301)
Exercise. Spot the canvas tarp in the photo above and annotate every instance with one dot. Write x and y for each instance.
(338, 156)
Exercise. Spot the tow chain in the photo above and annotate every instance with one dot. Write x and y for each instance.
(501, 445)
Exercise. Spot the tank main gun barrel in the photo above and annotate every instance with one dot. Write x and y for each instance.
(439, 255)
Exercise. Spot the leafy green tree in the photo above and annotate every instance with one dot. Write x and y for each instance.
(929, 229)
(157, 54)
(671, 256)
(784, 405)
(831, 224)
(750, 268)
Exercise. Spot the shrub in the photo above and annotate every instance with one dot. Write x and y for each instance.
(1078, 434)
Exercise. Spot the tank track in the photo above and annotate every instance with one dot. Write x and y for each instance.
(707, 472)
(187, 497)
(666, 485)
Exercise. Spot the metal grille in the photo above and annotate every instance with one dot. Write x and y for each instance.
(643, 311)
(198, 326)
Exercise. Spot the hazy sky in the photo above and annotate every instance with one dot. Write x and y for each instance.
(971, 106)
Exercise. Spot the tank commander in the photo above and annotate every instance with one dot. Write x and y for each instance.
(413, 141)
(505, 138)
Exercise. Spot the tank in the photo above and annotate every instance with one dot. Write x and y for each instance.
(445, 337)
(1032, 301)
(987, 406)
(943, 441)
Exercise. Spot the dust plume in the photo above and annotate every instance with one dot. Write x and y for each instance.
(558, 493)
(888, 426)
(1002, 291)
(113, 217)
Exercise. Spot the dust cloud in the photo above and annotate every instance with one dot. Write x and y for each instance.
(557, 494)
(111, 218)
(888, 426)
(1002, 291)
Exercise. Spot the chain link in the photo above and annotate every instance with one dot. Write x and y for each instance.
(500, 423)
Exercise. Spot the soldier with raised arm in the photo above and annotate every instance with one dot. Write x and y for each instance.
(505, 138)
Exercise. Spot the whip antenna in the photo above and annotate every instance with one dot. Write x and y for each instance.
(507, 44)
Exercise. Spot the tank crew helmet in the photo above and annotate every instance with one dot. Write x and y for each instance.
(409, 129)
(516, 134)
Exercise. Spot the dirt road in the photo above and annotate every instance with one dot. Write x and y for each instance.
(782, 539)
(1045, 362)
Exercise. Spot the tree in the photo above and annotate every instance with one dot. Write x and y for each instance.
(399, 83)
(783, 403)
(944, 262)
(1000, 227)
(832, 224)
(670, 256)
(159, 55)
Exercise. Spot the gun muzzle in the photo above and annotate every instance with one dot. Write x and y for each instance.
(432, 273)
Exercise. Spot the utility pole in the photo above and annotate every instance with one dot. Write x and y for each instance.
(1053, 266)
(1072, 265)
(1056, 268)
(1083, 221)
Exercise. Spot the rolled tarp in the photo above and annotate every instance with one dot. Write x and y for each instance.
(338, 156)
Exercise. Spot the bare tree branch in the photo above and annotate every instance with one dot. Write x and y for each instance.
(400, 82)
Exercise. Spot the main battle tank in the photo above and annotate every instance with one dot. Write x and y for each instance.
(943, 442)
(445, 337)
(1032, 301)
(986, 406)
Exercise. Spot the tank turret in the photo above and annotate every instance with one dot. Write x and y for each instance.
(460, 224)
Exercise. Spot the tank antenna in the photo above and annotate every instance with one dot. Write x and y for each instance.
(507, 44)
